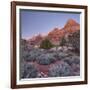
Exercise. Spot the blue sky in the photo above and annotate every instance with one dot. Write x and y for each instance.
(41, 22)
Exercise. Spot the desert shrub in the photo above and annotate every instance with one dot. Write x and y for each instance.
(23, 51)
(75, 69)
(76, 59)
(29, 71)
(46, 44)
(74, 63)
(24, 54)
(33, 54)
(46, 59)
(60, 69)
(22, 64)
(72, 60)
(55, 54)
(24, 45)
(68, 60)
(61, 55)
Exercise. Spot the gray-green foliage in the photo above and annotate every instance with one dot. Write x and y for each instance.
(62, 55)
(74, 63)
(29, 71)
(60, 69)
(33, 54)
(72, 60)
(46, 59)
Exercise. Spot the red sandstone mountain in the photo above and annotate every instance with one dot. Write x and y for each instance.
(36, 40)
(70, 23)
(56, 34)
(70, 27)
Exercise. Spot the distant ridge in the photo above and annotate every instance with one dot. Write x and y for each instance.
(56, 34)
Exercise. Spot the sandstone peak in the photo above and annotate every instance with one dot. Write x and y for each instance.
(56, 34)
(70, 23)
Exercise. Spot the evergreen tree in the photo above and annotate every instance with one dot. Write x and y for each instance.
(62, 42)
(46, 44)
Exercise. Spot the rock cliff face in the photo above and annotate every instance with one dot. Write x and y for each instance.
(36, 40)
(71, 26)
(56, 34)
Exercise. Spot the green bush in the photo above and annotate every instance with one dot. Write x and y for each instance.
(62, 41)
(46, 44)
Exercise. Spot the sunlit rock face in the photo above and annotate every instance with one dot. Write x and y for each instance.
(56, 34)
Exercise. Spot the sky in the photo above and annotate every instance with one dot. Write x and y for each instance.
(33, 22)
